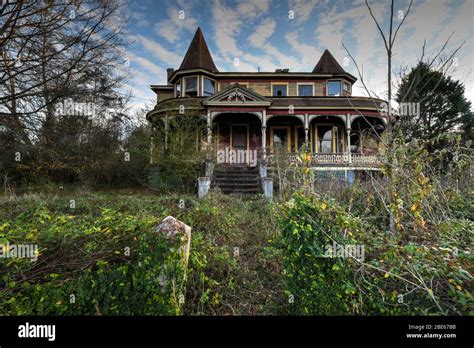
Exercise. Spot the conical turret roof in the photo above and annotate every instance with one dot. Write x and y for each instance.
(198, 55)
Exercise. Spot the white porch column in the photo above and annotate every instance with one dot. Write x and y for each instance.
(264, 134)
(209, 130)
(348, 130)
(306, 128)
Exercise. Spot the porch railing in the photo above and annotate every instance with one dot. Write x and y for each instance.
(321, 159)
(336, 159)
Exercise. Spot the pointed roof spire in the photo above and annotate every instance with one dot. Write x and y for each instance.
(328, 65)
(198, 55)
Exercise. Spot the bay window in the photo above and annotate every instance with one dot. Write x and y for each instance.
(334, 88)
(209, 87)
(191, 86)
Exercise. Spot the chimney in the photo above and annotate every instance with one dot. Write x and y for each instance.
(170, 72)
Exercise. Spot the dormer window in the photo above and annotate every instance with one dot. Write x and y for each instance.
(209, 87)
(191, 86)
(334, 88)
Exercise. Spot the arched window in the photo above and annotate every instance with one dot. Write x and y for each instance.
(209, 87)
(325, 139)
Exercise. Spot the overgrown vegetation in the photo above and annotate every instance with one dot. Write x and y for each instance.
(178, 154)
(423, 267)
(232, 268)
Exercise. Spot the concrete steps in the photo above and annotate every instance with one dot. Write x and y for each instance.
(237, 179)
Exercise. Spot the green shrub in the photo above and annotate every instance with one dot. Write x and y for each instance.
(316, 284)
(110, 263)
(401, 274)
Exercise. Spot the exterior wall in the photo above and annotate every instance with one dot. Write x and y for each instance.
(292, 89)
(264, 88)
(165, 94)
(320, 89)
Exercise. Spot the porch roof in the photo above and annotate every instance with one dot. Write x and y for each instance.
(199, 105)
(352, 102)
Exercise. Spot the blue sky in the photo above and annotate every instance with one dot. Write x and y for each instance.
(259, 33)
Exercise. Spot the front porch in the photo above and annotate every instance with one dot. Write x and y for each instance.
(242, 138)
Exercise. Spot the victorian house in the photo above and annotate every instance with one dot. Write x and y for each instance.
(263, 113)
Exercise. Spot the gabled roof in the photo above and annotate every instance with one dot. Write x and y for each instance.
(328, 65)
(198, 55)
(236, 94)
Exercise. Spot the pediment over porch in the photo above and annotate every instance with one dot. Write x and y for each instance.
(237, 95)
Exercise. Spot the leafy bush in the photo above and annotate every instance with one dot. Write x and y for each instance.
(81, 256)
(109, 263)
(427, 273)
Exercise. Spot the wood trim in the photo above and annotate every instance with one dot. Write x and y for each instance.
(248, 135)
(288, 129)
(181, 88)
(246, 84)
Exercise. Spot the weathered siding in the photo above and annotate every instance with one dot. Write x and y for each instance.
(165, 94)
(320, 89)
(262, 88)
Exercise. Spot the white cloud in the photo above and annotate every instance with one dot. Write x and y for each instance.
(261, 34)
(156, 49)
(146, 64)
(260, 39)
(227, 24)
(309, 53)
(179, 20)
(303, 8)
(253, 8)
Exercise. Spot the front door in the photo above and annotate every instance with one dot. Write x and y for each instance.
(239, 137)
(280, 138)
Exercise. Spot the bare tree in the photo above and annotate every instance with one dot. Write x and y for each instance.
(59, 54)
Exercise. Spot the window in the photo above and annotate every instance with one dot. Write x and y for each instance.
(334, 88)
(191, 85)
(299, 137)
(325, 139)
(329, 139)
(280, 138)
(279, 90)
(305, 90)
(178, 89)
(209, 87)
(347, 87)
